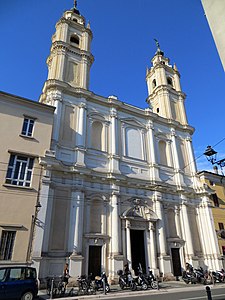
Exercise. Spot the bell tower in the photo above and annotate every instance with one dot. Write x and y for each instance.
(164, 91)
(70, 58)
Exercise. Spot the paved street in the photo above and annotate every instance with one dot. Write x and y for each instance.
(168, 291)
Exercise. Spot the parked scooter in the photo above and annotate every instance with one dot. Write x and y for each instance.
(141, 280)
(189, 278)
(199, 274)
(100, 281)
(126, 280)
(152, 282)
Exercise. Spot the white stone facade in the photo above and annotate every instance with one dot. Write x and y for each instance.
(120, 182)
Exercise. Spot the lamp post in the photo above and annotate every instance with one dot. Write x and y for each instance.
(210, 155)
(32, 229)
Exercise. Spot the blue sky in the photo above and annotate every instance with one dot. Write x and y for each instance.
(123, 46)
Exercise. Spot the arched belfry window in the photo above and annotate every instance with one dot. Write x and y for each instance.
(163, 153)
(97, 135)
(153, 83)
(169, 81)
(75, 40)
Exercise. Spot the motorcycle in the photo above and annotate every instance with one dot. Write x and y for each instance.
(152, 282)
(141, 280)
(189, 278)
(126, 280)
(100, 281)
(85, 286)
(199, 274)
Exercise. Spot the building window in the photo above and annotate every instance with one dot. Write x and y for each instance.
(215, 200)
(221, 226)
(74, 39)
(97, 136)
(28, 125)
(153, 83)
(6, 245)
(223, 250)
(19, 170)
(163, 153)
(169, 81)
(134, 143)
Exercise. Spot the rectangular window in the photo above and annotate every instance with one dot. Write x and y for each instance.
(215, 200)
(221, 226)
(28, 125)
(223, 250)
(19, 170)
(6, 245)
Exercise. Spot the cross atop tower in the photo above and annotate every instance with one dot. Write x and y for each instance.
(75, 3)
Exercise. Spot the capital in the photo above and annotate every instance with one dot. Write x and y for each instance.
(83, 105)
(113, 112)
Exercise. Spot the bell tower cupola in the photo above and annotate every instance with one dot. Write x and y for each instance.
(164, 90)
(70, 58)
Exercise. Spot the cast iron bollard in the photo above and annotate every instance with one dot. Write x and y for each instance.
(104, 289)
(208, 291)
(51, 292)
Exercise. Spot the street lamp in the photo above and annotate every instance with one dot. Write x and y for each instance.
(32, 229)
(210, 155)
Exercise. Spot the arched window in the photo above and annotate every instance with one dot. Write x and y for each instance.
(169, 81)
(96, 135)
(133, 143)
(74, 39)
(153, 83)
(163, 153)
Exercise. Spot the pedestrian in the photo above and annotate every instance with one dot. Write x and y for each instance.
(66, 274)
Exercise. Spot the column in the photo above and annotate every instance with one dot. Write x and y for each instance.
(76, 233)
(186, 229)
(191, 156)
(212, 235)
(153, 246)
(115, 225)
(81, 134)
(42, 229)
(76, 219)
(57, 119)
(178, 177)
(84, 72)
(161, 237)
(207, 237)
(151, 142)
(129, 259)
(114, 158)
(177, 221)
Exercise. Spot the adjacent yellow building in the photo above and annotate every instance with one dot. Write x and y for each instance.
(216, 183)
(25, 135)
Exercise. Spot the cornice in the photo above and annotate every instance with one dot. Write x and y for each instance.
(164, 88)
(62, 46)
(6, 97)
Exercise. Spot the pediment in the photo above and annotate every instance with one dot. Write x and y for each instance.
(140, 211)
(133, 122)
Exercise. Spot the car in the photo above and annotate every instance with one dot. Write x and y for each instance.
(18, 282)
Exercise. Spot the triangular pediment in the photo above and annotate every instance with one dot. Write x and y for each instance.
(133, 122)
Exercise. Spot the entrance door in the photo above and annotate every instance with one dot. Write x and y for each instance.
(176, 261)
(94, 262)
(137, 250)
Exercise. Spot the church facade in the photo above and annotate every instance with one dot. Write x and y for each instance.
(119, 183)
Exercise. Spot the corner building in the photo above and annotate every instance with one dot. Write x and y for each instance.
(120, 182)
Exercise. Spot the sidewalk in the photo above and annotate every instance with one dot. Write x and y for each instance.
(166, 286)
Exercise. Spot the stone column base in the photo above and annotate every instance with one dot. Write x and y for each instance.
(75, 265)
(116, 264)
